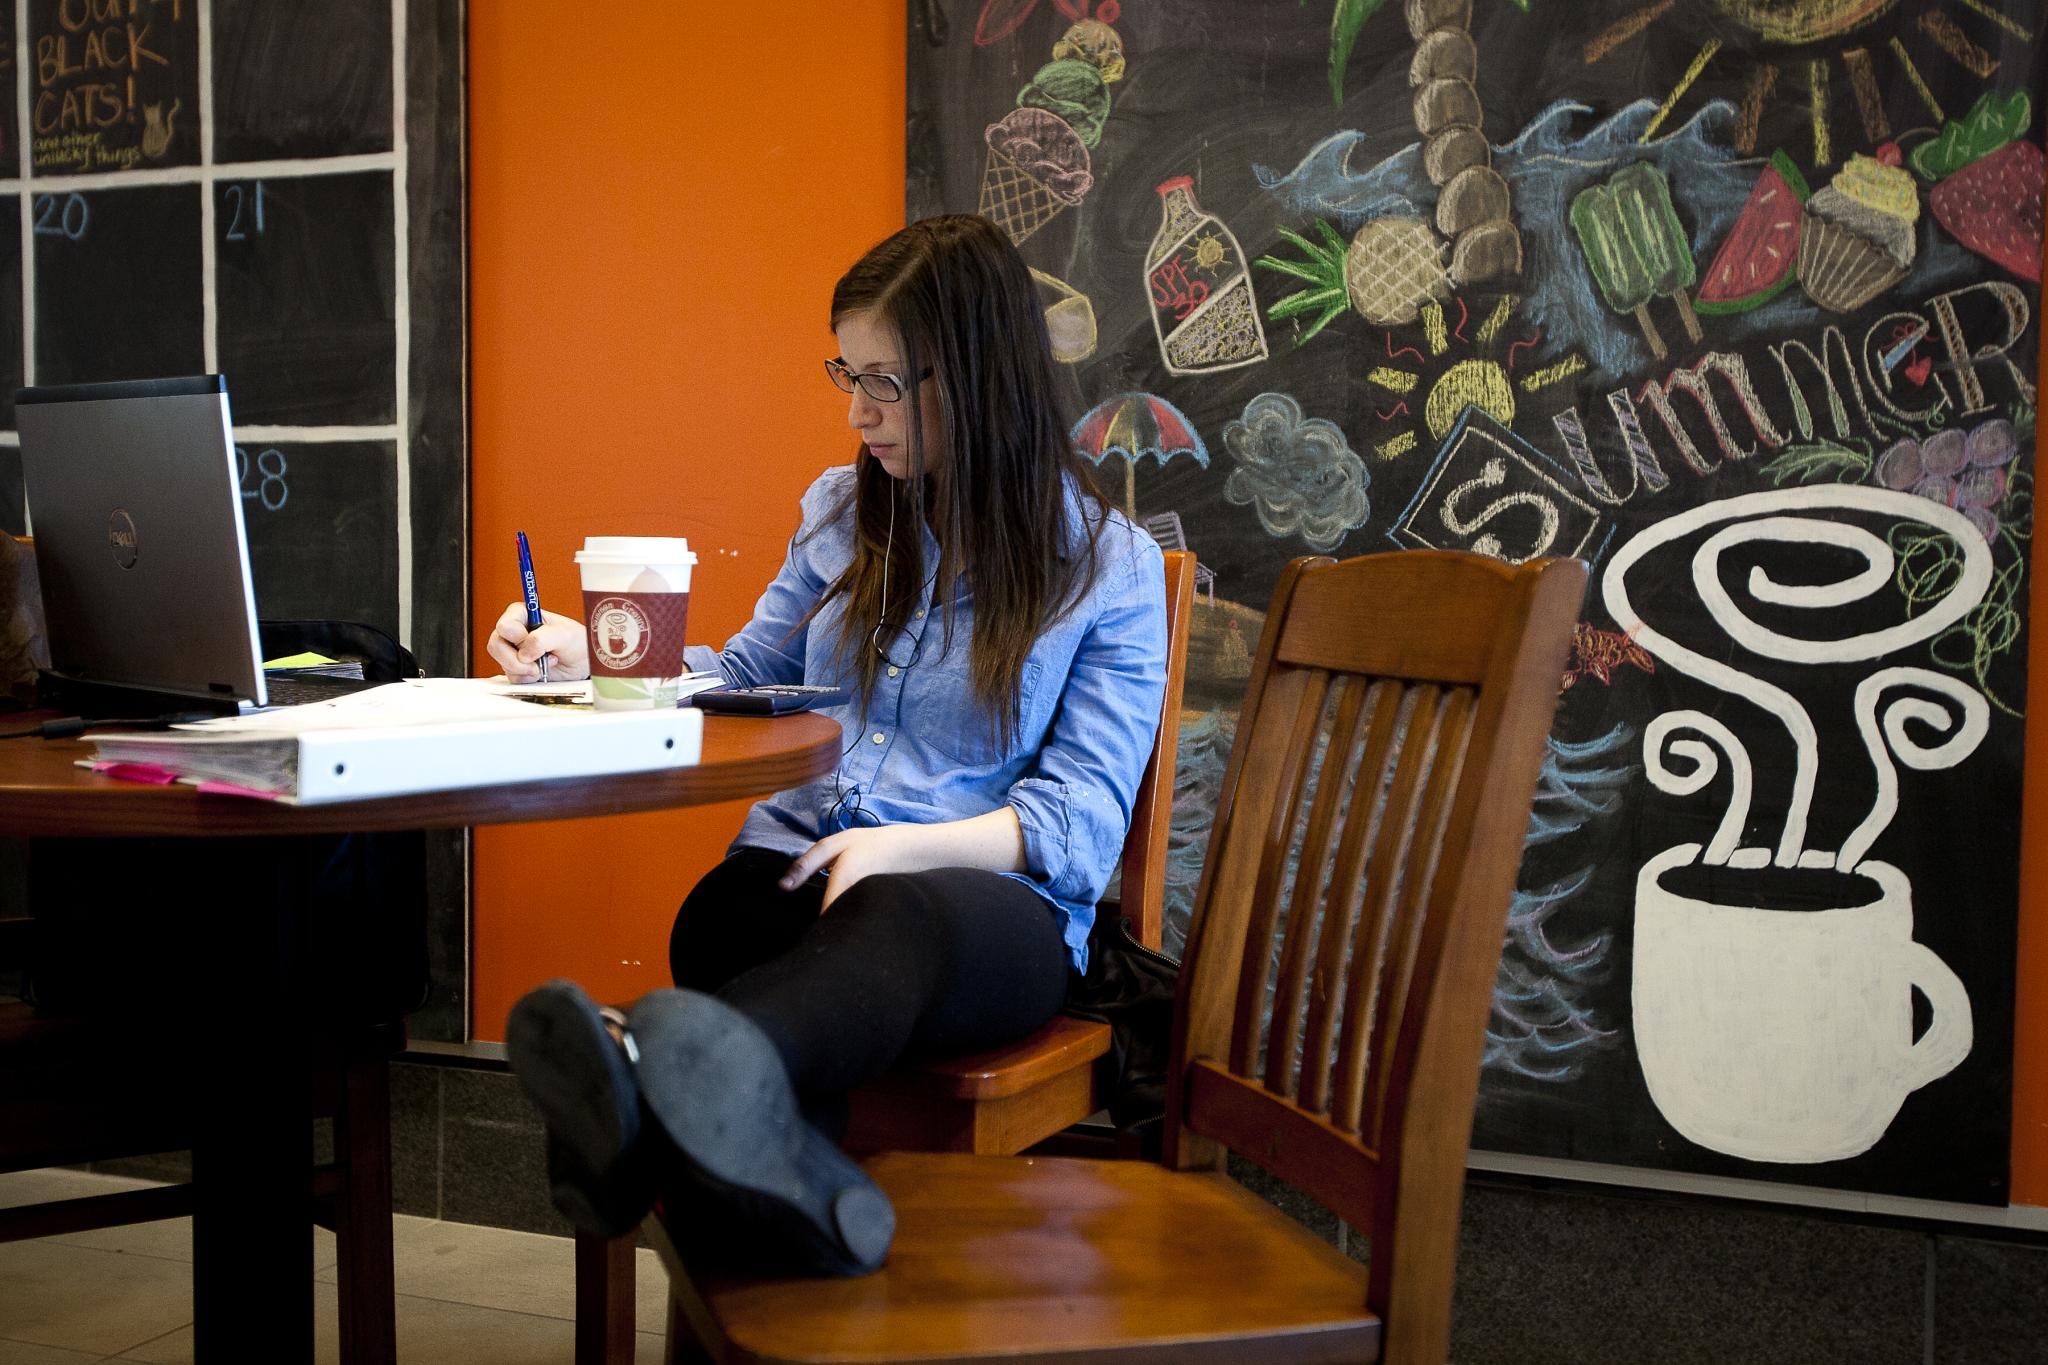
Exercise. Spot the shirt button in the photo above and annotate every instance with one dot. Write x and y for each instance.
(894, 670)
(920, 615)
(877, 736)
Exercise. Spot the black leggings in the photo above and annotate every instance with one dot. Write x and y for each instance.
(924, 963)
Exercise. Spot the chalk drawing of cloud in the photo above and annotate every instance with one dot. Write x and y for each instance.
(1298, 473)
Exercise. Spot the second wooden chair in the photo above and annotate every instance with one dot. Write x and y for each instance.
(997, 1102)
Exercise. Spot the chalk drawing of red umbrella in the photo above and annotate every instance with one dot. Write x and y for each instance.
(1137, 425)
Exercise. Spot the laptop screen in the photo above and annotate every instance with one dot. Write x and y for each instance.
(137, 520)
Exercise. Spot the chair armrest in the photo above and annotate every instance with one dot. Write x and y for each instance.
(1063, 1044)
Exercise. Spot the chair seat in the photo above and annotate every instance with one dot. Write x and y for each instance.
(1028, 1257)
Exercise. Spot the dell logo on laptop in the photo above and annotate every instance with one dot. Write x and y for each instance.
(121, 535)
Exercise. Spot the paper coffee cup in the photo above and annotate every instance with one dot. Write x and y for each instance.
(636, 605)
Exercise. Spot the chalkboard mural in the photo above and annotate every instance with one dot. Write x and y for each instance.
(1735, 299)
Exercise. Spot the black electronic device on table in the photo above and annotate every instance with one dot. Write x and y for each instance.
(771, 699)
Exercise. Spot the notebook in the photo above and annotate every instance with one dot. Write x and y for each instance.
(134, 503)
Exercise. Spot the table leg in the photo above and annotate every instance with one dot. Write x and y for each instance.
(252, 1249)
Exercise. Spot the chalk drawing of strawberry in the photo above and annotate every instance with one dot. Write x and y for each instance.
(1993, 207)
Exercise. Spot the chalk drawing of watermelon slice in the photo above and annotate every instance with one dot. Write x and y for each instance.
(1760, 259)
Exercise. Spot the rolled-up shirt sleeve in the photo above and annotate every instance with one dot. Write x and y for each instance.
(770, 647)
(1075, 807)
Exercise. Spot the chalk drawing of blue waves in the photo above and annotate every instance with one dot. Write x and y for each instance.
(1556, 156)
(1323, 185)
(1575, 784)
(1560, 152)
(1542, 1027)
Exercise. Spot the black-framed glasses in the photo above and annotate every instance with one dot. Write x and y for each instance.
(879, 385)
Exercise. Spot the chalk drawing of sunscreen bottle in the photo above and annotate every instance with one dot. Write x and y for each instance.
(1203, 310)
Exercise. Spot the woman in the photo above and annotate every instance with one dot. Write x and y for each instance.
(1001, 632)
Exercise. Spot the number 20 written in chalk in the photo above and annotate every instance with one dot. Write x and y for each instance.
(62, 217)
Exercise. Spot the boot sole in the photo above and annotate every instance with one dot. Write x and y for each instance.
(584, 1087)
(717, 1086)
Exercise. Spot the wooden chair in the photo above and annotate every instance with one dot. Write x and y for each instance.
(996, 1102)
(74, 1094)
(1363, 854)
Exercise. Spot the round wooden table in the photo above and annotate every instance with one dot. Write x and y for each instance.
(252, 1257)
(43, 791)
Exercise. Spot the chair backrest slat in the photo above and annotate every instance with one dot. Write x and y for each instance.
(1295, 709)
(1443, 754)
(1375, 943)
(1348, 891)
(1306, 910)
(1347, 931)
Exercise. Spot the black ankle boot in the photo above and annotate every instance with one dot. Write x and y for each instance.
(717, 1089)
(581, 1080)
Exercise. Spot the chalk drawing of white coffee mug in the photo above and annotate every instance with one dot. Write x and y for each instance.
(1787, 1034)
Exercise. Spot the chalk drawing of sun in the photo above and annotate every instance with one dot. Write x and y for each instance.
(1210, 252)
(1830, 32)
(1446, 390)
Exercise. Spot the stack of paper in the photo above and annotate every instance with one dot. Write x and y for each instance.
(416, 736)
(311, 665)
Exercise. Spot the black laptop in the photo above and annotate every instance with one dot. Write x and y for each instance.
(137, 518)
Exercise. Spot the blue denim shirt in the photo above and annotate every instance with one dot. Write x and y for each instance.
(925, 752)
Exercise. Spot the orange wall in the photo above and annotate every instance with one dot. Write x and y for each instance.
(661, 196)
(2030, 1041)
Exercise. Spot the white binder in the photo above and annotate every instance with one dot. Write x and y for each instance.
(403, 739)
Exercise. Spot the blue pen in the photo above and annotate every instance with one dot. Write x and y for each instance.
(534, 620)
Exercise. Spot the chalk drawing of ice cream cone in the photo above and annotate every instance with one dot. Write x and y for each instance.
(1037, 169)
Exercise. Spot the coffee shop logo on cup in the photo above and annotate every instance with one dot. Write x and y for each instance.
(1767, 1029)
(619, 632)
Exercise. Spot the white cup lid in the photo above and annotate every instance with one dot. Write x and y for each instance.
(637, 549)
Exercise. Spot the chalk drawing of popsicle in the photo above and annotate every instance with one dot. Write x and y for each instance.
(1772, 992)
(1636, 247)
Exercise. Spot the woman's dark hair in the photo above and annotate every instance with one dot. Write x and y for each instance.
(962, 301)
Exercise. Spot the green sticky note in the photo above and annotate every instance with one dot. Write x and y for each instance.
(308, 660)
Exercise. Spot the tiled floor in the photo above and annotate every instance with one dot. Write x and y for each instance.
(465, 1293)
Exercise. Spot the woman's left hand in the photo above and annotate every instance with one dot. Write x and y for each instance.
(855, 853)
(993, 841)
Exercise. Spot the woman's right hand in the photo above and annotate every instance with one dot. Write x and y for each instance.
(518, 650)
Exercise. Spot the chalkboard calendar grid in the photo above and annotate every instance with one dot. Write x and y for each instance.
(231, 186)
(270, 190)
